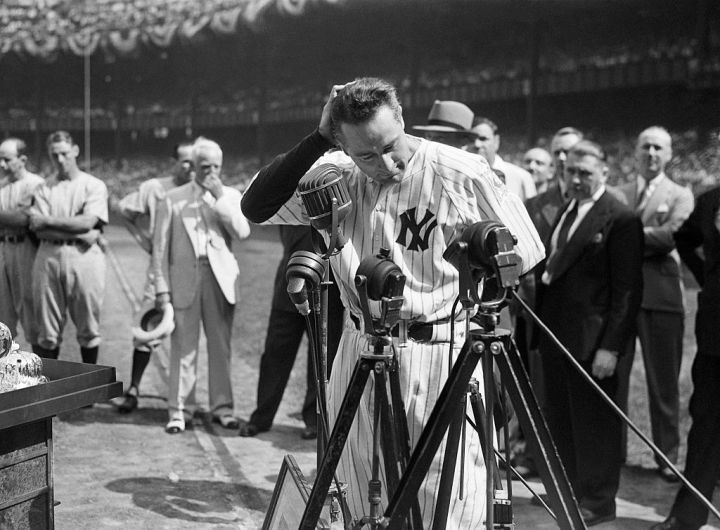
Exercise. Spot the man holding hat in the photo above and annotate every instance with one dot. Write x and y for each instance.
(137, 211)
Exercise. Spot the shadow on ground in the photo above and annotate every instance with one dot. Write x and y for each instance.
(195, 501)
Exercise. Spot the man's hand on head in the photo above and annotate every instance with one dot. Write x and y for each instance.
(325, 127)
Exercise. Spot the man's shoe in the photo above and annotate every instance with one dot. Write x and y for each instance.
(671, 523)
(667, 475)
(592, 518)
(175, 426)
(250, 429)
(309, 433)
(128, 403)
(228, 421)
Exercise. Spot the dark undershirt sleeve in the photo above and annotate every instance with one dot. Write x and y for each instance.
(276, 182)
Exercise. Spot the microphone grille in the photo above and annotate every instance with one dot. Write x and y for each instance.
(317, 189)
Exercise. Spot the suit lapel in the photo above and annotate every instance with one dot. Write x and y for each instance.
(656, 199)
(590, 225)
(189, 214)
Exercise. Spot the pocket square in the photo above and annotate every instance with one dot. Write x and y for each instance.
(663, 208)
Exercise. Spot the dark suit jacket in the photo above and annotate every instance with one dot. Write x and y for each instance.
(544, 208)
(699, 230)
(667, 208)
(594, 296)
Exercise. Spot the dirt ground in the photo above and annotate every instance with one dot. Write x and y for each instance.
(123, 471)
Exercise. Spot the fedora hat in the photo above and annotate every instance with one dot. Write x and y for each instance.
(154, 326)
(448, 116)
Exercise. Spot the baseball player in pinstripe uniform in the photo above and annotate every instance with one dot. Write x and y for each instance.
(413, 197)
(17, 249)
(137, 211)
(69, 270)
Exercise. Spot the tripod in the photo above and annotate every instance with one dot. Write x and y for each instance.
(391, 434)
(491, 254)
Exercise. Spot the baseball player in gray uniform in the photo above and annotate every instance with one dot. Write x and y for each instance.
(17, 249)
(413, 197)
(67, 214)
(137, 211)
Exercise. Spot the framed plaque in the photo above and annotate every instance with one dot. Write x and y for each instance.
(289, 498)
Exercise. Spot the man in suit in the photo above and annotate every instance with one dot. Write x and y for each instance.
(543, 210)
(539, 163)
(487, 143)
(196, 271)
(701, 230)
(589, 295)
(663, 206)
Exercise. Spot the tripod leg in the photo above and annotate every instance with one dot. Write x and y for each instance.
(399, 424)
(433, 433)
(479, 414)
(442, 506)
(550, 468)
(335, 444)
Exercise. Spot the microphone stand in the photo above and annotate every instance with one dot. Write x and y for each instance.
(321, 323)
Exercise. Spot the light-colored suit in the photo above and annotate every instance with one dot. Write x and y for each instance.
(193, 261)
(661, 318)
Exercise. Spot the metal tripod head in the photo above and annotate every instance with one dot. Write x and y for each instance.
(379, 279)
(489, 268)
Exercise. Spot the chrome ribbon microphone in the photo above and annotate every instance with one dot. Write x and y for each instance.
(327, 201)
(303, 268)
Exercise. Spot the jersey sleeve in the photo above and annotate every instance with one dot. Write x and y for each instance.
(96, 200)
(494, 201)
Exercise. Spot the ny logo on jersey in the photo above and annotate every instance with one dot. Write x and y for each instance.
(419, 241)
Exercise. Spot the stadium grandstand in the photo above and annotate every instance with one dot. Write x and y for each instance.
(132, 77)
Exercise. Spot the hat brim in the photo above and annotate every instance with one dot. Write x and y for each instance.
(154, 325)
(443, 129)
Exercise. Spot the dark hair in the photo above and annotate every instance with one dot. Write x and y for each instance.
(59, 136)
(20, 145)
(569, 130)
(180, 145)
(588, 148)
(358, 102)
(481, 120)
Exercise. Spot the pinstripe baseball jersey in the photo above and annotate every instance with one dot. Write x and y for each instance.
(443, 190)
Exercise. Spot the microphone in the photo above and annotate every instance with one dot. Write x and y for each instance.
(303, 268)
(298, 295)
(325, 195)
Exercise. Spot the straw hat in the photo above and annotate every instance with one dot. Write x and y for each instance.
(154, 326)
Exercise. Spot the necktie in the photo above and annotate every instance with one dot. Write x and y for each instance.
(565, 228)
(644, 197)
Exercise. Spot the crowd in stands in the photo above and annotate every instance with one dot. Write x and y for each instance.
(443, 69)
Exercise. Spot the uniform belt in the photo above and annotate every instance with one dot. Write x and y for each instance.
(417, 331)
(16, 238)
(64, 241)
